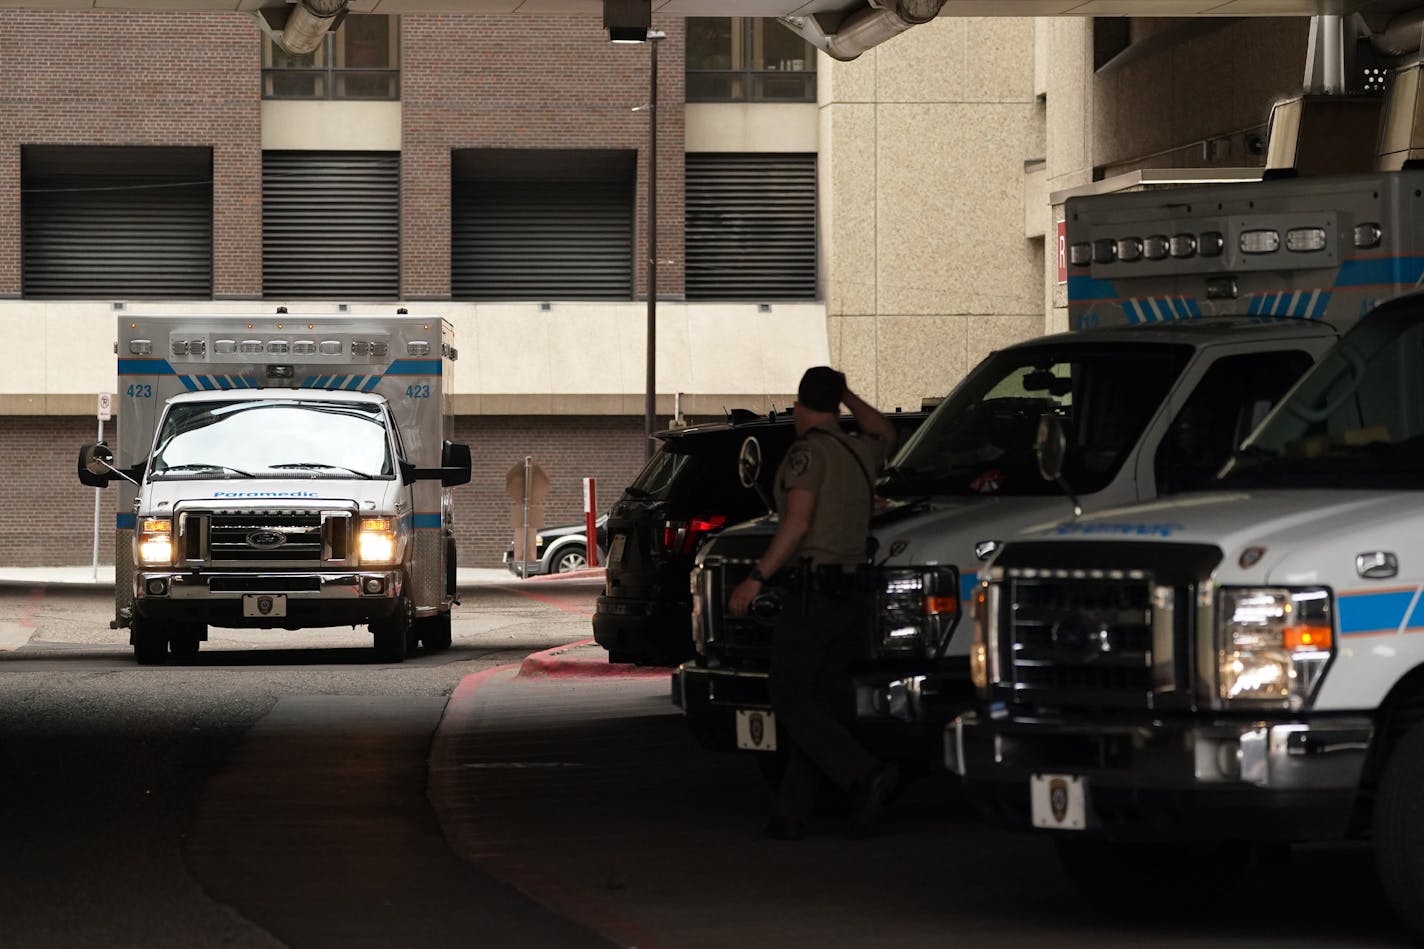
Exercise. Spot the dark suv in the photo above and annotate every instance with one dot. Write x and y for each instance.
(687, 492)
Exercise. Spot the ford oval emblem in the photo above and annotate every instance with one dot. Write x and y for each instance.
(766, 606)
(266, 540)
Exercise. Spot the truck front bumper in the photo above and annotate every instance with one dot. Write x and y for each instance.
(895, 716)
(1287, 779)
(309, 598)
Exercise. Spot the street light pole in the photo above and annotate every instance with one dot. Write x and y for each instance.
(650, 395)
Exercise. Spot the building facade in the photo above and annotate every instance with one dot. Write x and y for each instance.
(891, 215)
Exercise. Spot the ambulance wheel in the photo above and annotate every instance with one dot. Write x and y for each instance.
(1399, 830)
(185, 640)
(435, 632)
(150, 641)
(393, 633)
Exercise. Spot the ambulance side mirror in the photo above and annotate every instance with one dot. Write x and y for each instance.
(455, 467)
(455, 464)
(96, 465)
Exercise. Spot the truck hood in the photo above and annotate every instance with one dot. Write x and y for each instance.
(374, 496)
(1283, 530)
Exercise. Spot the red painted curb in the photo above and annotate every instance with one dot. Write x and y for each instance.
(553, 664)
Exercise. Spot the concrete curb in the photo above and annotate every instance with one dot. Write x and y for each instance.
(584, 659)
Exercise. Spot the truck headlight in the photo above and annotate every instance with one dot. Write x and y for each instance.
(979, 648)
(376, 541)
(155, 542)
(1273, 644)
(918, 609)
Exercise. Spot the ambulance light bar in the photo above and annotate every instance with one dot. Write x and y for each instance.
(1298, 240)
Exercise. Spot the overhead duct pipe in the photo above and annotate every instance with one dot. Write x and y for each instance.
(299, 27)
(871, 25)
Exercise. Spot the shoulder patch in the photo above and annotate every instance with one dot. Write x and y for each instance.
(798, 460)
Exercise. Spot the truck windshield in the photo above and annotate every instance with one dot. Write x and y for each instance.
(980, 440)
(272, 438)
(1355, 421)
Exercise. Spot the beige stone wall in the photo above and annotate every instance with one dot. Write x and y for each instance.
(1193, 101)
(924, 145)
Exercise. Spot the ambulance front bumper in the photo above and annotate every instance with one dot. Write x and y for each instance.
(1289, 779)
(251, 599)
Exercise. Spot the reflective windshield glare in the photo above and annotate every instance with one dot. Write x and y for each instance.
(273, 438)
(981, 439)
(1357, 420)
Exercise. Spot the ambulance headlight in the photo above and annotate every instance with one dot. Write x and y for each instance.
(1273, 644)
(918, 609)
(376, 541)
(154, 543)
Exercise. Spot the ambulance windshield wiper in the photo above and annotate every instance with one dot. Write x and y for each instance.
(204, 466)
(323, 467)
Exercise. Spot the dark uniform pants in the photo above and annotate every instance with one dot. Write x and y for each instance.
(810, 660)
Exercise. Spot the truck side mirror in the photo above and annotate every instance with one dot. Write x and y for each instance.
(96, 464)
(1050, 447)
(455, 464)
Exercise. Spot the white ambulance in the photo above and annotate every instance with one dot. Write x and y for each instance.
(282, 471)
(1194, 309)
(1166, 687)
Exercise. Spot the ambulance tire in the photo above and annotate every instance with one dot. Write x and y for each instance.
(185, 640)
(435, 632)
(393, 633)
(1399, 830)
(150, 641)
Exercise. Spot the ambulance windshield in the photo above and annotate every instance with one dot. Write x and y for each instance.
(1355, 421)
(980, 440)
(276, 438)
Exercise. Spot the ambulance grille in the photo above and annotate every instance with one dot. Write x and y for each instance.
(267, 537)
(1081, 642)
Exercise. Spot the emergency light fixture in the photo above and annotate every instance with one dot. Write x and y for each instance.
(1367, 235)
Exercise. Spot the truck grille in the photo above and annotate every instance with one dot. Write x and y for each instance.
(265, 537)
(1081, 642)
(743, 641)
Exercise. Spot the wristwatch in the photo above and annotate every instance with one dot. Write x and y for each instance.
(757, 575)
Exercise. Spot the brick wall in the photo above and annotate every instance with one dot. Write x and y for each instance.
(103, 77)
(48, 516)
(569, 449)
(531, 82)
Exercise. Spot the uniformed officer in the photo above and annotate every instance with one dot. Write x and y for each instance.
(825, 492)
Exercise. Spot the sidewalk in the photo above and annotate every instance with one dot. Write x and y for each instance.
(86, 577)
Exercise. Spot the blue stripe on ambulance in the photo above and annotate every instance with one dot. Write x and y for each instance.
(125, 522)
(145, 367)
(967, 583)
(1374, 612)
(427, 521)
(1371, 271)
(414, 367)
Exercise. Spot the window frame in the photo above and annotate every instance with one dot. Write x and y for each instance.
(327, 70)
(744, 43)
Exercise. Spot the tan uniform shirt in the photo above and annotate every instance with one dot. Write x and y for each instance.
(824, 462)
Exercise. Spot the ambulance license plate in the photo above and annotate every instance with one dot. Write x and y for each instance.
(615, 549)
(1058, 801)
(756, 729)
(264, 604)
